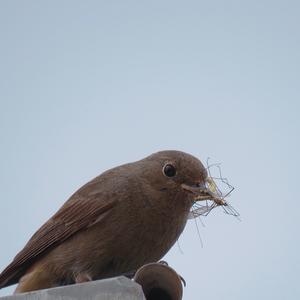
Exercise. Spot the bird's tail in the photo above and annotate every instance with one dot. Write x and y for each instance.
(10, 275)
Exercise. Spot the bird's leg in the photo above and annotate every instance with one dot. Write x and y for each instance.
(83, 277)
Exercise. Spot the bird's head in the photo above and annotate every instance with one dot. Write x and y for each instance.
(181, 173)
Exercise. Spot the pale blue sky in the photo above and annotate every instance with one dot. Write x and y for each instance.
(88, 85)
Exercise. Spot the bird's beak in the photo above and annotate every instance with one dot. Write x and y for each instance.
(202, 192)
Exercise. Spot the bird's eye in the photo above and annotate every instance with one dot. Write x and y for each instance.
(169, 170)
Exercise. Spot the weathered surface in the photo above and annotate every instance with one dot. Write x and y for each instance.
(118, 288)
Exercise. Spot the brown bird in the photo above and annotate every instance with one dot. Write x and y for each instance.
(126, 217)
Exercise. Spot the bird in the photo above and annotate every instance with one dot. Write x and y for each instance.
(124, 218)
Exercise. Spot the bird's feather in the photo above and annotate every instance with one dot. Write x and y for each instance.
(77, 214)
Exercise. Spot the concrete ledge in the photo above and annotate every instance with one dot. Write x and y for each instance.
(118, 288)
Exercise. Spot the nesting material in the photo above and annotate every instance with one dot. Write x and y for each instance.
(219, 193)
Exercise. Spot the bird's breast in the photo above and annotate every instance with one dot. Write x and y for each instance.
(148, 229)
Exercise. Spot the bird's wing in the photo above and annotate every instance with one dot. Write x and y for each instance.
(75, 215)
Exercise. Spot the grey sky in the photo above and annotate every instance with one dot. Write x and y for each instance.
(88, 85)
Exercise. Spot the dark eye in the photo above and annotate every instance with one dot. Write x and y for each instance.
(169, 170)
